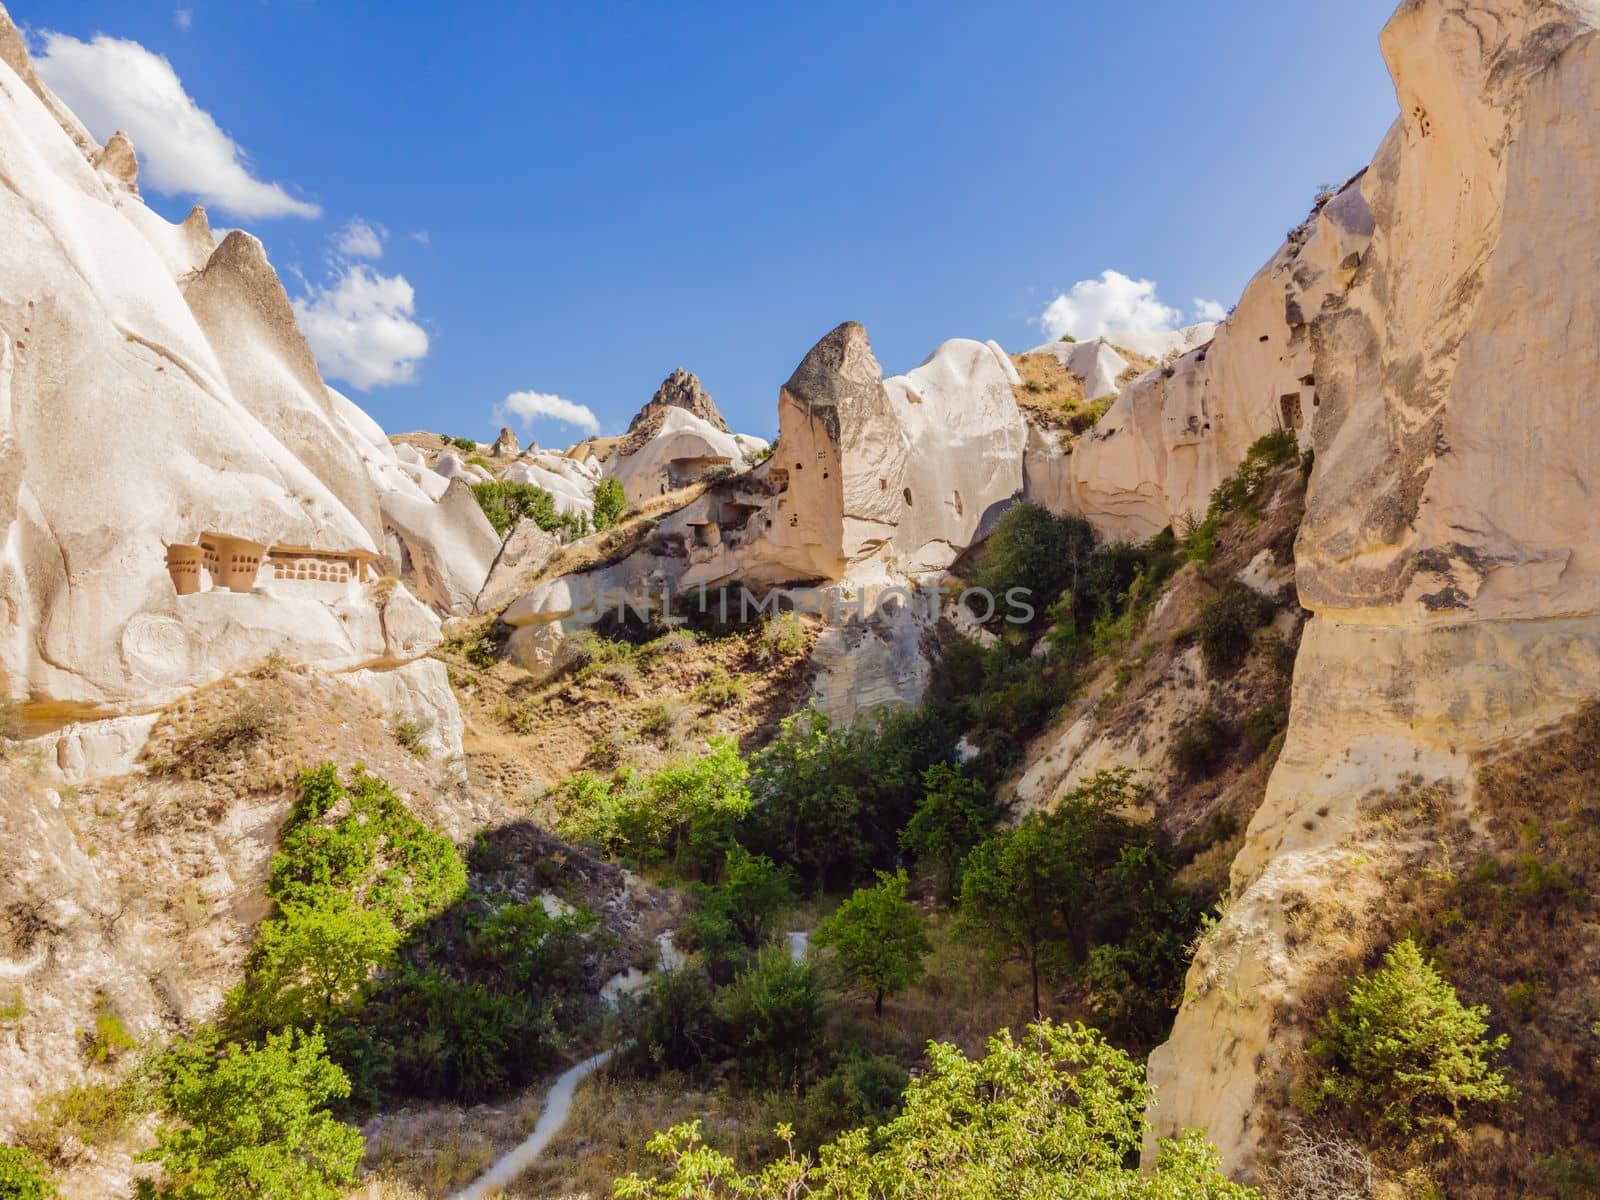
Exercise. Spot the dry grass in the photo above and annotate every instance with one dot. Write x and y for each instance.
(639, 706)
(1050, 394)
(432, 1151)
(615, 544)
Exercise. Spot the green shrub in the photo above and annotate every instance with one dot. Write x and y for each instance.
(1036, 551)
(111, 1039)
(246, 718)
(776, 1018)
(253, 1121)
(359, 844)
(956, 813)
(610, 503)
(739, 915)
(1404, 1051)
(876, 940)
(1261, 726)
(22, 1176)
(680, 1029)
(461, 443)
(1058, 1112)
(409, 735)
(507, 503)
(1201, 744)
(1227, 624)
(683, 814)
(781, 637)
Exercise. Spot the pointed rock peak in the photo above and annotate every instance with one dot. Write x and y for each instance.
(506, 445)
(120, 162)
(839, 377)
(681, 389)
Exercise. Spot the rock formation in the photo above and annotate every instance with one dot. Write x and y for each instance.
(136, 343)
(1176, 432)
(506, 445)
(1449, 551)
(675, 440)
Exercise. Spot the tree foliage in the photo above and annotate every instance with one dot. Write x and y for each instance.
(877, 939)
(252, 1123)
(955, 814)
(1402, 1049)
(22, 1176)
(1057, 1113)
(504, 504)
(775, 1019)
(610, 502)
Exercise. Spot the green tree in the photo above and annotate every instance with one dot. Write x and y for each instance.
(22, 1176)
(1404, 1050)
(610, 502)
(358, 843)
(1009, 892)
(877, 939)
(1058, 1113)
(251, 1123)
(954, 816)
(310, 963)
(775, 1019)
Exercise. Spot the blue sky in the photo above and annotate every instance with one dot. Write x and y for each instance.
(571, 200)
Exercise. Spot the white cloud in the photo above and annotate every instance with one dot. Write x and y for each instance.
(530, 406)
(112, 84)
(184, 18)
(358, 239)
(361, 329)
(420, 237)
(1209, 310)
(1111, 304)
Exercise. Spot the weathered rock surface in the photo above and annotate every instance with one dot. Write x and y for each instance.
(127, 340)
(1174, 433)
(676, 439)
(1449, 550)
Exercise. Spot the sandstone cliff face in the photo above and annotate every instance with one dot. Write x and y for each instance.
(1176, 432)
(153, 391)
(1449, 549)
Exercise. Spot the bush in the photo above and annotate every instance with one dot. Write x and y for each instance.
(740, 915)
(1404, 1051)
(1201, 745)
(246, 719)
(877, 940)
(253, 1121)
(680, 1030)
(776, 1019)
(460, 443)
(781, 637)
(683, 814)
(1227, 624)
(832, 801)
(111, 1039)
(375, 853)
(507, 503)
(1036, 551)
(1262, 726)
(610, 502)
(22, 1176)
(956, 814)
(1057, 1113)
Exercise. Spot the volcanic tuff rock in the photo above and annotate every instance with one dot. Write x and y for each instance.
(675, 439)
(1176, 432)
(138, 344)
(1449, 553)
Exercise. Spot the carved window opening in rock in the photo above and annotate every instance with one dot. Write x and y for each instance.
(907, 494)
(1266, 337)
(799, 466)
(1289, 408)
(232, 562)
